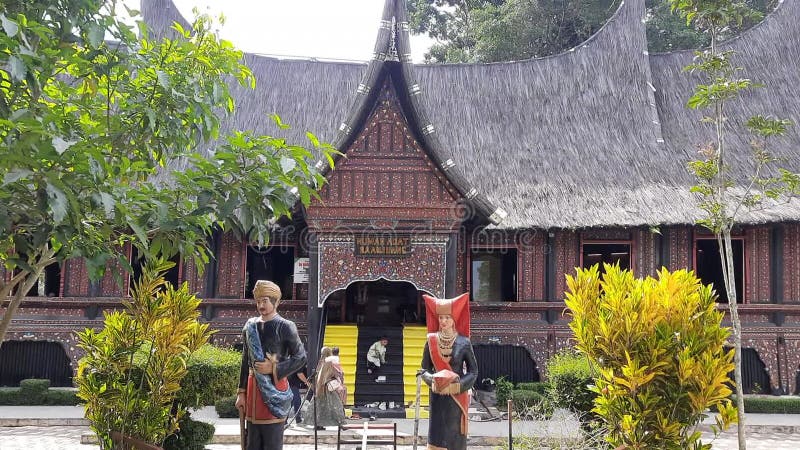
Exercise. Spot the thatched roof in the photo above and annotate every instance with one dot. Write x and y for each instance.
(596, 136)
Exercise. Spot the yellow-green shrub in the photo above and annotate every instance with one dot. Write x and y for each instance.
(658, 347)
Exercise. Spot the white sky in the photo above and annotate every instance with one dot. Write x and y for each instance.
(334, 29)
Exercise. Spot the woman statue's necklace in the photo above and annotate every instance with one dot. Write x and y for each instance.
(445, 343)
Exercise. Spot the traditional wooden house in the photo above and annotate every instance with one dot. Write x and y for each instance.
(494, 179)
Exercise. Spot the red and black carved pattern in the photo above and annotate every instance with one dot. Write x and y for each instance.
(567, 259)
(230, 273)
(757, 248)
(791, 263)
(386, 173)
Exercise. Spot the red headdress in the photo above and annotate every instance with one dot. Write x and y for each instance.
(457, 307)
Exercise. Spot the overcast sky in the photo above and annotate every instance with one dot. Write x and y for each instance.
(337, 29)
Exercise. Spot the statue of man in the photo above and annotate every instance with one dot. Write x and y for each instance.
(272, 351)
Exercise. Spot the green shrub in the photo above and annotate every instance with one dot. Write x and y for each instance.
(769, 405)
(571, 376)
(226, 407)
(542, 388)
(61, 397)
(192, 435)
(32, 390)
(9, 396)
(531, 404)
(162, 320)
(213, 373)
(658, 346)
(503, 388)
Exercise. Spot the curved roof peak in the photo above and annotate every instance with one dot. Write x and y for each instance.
(393, 49)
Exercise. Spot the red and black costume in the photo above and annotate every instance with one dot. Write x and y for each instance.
(448, 426)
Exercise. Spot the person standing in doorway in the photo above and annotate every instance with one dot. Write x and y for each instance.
(272, 351)
(376, 357)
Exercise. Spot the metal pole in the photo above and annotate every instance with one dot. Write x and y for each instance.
(510, 407)
(416, 411)
(315, 421)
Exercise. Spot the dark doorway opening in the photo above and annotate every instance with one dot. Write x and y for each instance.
(20, 360)
(755, 378)
(275, 264)
(709, 267)
(382, 303)
(511, 361)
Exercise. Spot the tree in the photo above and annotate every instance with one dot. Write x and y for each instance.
(506, 30)
(723, 197)
(667, 31)
(107, 144)
(503, 30)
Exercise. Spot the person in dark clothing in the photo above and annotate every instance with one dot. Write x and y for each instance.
(298, 381)
(272, 351)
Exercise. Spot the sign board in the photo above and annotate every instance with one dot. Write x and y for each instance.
(301, 270)
(391, 246)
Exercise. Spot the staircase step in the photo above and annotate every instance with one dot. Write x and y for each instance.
(346, 338)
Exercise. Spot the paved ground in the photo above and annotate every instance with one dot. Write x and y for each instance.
(68, 438)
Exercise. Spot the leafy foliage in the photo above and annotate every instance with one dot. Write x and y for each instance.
(192, 435)
(105, 144)
(138, 399)
(658, 346)
(503, 388)
(226, 407)
(212, 374)
(571, 376)
(512, 30)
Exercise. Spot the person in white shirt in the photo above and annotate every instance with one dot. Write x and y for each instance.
(376, 356)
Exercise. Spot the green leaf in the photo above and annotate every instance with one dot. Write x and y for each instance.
(95, 34)
(15, 175)
(11, 28)
(58, 203)
(18, 68)
(287, 164)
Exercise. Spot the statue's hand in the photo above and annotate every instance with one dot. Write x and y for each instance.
(264, 367)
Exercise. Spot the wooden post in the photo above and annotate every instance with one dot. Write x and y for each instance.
(510, 407)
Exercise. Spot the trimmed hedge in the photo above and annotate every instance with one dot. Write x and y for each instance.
(226, 407)
(767, 404)
(32, 392)
(213, 374)
(540, 387)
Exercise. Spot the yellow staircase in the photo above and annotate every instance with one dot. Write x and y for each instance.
(346, 338)
(413, 346)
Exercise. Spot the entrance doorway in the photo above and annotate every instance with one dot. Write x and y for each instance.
(380, 303)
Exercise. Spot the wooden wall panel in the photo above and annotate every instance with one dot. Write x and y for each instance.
(757, 257)
(230, 270)
(791, 263)
(567, 258)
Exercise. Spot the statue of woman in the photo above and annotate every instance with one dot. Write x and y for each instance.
(450, 370)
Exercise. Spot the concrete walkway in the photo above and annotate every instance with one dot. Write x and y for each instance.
(481, 433)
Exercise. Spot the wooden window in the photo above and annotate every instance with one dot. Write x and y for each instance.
(606, 252)
(708, 267)
(493, 275)
(49, 284)
(172, 275)
(274, 263)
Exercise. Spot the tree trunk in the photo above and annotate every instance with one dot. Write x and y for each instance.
(20, 285)
(729, 273)
(22, 290)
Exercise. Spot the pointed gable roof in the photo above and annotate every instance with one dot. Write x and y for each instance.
(392, 48)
